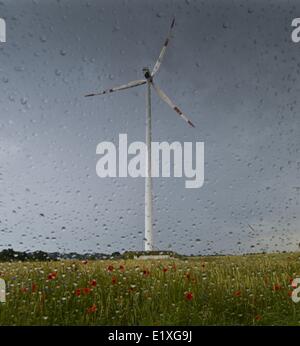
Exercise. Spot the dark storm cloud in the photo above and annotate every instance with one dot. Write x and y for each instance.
(231, 66)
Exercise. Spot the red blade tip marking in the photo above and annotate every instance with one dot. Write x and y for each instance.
(190, 123)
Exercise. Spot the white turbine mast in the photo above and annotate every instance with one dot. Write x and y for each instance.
(149, 81)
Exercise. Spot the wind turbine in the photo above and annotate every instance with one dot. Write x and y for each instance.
(149, 81)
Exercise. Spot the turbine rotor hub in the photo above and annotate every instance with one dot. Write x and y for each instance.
(147, 73)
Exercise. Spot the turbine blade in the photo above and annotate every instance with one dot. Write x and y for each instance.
(163, 51)
(165, 98)
(121, 87)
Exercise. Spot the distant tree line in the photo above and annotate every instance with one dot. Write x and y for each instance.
(10, 255)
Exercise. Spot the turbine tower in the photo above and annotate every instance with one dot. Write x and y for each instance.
(148, 80)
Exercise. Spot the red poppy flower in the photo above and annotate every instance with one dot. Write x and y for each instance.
(122, 268)
(110, 268)
(146, 272)
(52, 276)
(78, 292)
(23, 289)
(93, 283)
(189, 296)
(165, 269)
(84, 262)
(237, 293)
(91, 309)
(188, 276)
(276, 287)
(33, 287)
(257, 318)
(86, 290)
(114, 280)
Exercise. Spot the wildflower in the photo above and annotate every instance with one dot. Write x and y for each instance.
(78, 292)
(23, 289)
(114, 280)
(276, 287)
(86, 290)
(189, 296)
(257, 318)
(122, 268)
(146, 272)
(52, 276)
(110, 268)
(33, 287)
(165, 269)
(237, 293)
(91, 309)
(84, 262)
(188, 276)
(93, 283)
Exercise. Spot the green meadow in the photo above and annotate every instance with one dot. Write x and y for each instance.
(215, 290)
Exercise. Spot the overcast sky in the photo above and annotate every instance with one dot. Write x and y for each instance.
(231, 66)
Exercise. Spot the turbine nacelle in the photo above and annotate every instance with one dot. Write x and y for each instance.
(147, 73)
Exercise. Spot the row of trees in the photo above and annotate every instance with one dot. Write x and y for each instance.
(10, 255)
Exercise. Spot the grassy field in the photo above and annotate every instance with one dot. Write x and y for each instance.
(231, 290)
